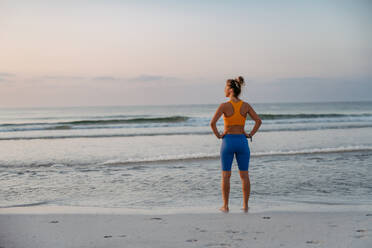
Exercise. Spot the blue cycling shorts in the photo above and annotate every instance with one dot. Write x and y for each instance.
(235, 144)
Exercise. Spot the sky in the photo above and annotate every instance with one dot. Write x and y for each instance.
(91, 53)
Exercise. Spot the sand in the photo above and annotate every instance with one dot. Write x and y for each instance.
(37, 227)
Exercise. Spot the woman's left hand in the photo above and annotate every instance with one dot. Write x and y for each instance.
(249, 136)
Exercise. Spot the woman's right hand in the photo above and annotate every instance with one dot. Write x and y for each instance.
(223, 134)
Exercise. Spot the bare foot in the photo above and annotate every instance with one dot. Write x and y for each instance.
(224, 209)
(245, 209)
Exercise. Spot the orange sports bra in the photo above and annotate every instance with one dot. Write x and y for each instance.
(236, 118)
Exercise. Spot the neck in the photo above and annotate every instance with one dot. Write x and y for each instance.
(235, 99)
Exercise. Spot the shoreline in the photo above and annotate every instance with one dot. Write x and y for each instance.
(278, 207)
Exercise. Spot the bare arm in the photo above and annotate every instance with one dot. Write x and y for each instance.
(256, 118)
(214, 120)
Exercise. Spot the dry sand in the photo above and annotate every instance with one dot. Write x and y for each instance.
(38, 227)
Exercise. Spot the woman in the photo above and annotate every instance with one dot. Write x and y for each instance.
(234, 139)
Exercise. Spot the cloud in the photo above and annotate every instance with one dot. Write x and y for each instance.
(324, 80)
(6, 74)
(75, 80)
(312, 89)
(148, 78)
(6, 77)
(140, 78)
(61, 77)
(108, 78)
(297, 79)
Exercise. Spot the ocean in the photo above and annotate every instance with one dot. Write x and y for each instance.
(167, 157)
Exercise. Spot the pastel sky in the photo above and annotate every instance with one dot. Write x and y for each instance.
(83, 53)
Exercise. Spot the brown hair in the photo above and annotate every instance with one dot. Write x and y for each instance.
(236, 85)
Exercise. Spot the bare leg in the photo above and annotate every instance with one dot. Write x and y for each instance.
(225, 187)
(246, 187)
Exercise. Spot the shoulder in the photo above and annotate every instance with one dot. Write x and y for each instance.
(221, 106)
(224, 104)
(246, 105)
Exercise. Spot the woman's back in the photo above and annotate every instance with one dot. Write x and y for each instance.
(234, 116)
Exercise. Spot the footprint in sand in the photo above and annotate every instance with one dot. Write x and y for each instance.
(266, 217)
(54, 221)
(368, 214)
(122, 236)
(313, 242)
(217, 244)
(359, 236)
(107, 236)
(362, 231)
(238, 239)
(156, 218)
(191, 240)
(231, 231)
(200, 230)
(332, 225)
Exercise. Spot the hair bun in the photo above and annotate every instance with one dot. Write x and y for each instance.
(240, 80)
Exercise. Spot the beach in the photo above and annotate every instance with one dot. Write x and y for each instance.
(39, 227)
(116, 119)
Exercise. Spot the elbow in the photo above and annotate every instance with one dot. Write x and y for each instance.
(259, 121)
(212, 124)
